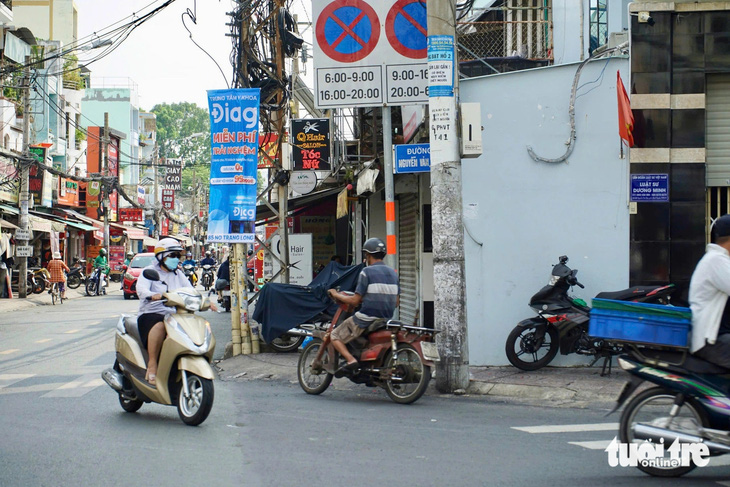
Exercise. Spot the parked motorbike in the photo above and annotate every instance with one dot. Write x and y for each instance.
(689, 405)
(189, 271)
(562, 322)
(29, 282)
(96, 284)
(391, 355)
(41, 279)
(207, 277)
(224, 294)
(76, 276)
(184, 373)
(293, 339)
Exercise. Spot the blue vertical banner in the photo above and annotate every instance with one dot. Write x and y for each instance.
(234, 137)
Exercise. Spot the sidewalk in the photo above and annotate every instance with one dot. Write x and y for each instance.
(44, 299)
(575, 387)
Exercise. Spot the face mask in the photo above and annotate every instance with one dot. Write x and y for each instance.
(171, 263)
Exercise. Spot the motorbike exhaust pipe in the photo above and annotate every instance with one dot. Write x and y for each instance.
(299, 332)
(646, 432)
(113, 378)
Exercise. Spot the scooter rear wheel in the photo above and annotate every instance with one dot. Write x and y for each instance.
(286, 343)
(313, 382)
(527, 352)
(410, 376)
(130, 405)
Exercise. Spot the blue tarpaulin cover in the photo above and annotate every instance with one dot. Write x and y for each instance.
(281, 307)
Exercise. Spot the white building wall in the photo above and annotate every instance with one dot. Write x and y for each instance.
(521, 215)
(48, 19)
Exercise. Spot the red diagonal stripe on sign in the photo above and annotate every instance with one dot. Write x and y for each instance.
(412, 21)
(347, 30)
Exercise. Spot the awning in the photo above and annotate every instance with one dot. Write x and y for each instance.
(132, 232)
(149, 242)
(80, 226)
(6, 224)
(41, 224)
(9, 209)
(187, 241)
(263, 212)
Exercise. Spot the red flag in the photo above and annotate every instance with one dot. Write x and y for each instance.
(625, 117)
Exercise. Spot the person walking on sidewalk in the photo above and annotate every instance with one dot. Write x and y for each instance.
(57, 268)
(708, 297)
(377, 290)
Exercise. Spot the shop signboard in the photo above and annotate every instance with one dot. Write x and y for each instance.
(268, 156)
(173, 174)
(311, 144)
(68, 192)
(168, 199)
(300, 258)
(234, 120)
(131, 215)
(650, 188)
(24, 251)
(116, 257)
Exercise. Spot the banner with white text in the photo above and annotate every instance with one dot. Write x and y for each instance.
(234, 123)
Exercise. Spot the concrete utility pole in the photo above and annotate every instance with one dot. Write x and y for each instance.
(280, 123)
(155, 214)
(391, 240)
(449, 276)
(106, 189)
(24, 183)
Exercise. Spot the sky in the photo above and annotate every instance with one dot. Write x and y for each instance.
(159, 56)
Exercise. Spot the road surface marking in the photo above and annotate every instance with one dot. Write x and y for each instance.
(7, 352)
(44, 340)
(592, 445)
(567, 428)
(71, 331)
(77, 387)
(9, 379)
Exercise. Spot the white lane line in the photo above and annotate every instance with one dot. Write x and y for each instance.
(567, 428)
(592, 445)
(44, 340)
(71, 331)
(9, 351)
(9, 379)
(77, 387)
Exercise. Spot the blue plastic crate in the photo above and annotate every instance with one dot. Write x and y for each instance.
(643, 323)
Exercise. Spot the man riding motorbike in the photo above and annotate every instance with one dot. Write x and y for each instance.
(151, 310)
(708, 296)
(208, 260)
(378, 290)
(101, 263)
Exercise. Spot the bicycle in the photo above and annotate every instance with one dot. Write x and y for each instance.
(56, 293)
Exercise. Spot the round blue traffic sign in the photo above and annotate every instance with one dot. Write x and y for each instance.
(405, 27)
(347, 30)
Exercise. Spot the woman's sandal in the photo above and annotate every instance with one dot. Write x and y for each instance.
(151, 379)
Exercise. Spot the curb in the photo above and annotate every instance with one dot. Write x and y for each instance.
(19, 304)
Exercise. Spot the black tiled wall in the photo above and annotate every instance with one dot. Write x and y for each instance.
(673, 56)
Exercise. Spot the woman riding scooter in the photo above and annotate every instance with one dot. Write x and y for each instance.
(151, 310)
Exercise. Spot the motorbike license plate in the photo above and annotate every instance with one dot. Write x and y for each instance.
(227, 292)
(430, 352)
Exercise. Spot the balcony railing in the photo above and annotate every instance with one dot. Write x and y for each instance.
(529, 39)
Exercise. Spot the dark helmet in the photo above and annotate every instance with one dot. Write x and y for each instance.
(102, 251)
(374, 247)
(721, 226)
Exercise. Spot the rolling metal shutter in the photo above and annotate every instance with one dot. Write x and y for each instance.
(408, 256)
(718, 130)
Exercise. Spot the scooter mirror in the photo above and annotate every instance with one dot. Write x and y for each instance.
(151, 274)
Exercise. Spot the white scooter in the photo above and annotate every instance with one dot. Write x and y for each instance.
(184, 374)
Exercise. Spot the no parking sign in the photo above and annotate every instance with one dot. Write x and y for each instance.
(370, 53)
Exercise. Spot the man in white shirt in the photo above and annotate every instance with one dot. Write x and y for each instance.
(708, 297)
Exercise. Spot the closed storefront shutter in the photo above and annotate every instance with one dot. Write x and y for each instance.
(408, 256)
(718, 129)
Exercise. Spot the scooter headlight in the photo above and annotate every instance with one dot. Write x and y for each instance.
(192, 301)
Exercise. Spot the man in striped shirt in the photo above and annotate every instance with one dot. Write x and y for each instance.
(379, 293)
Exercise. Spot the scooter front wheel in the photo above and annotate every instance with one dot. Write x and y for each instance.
(528, 349)
(409, 375)
(658, 407)
(196, 406)
(91, 286)
(313, 380)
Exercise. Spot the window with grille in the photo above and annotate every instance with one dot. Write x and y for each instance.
(598, 24)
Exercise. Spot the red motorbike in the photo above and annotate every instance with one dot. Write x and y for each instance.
(393, 356)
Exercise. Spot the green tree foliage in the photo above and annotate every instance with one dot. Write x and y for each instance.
(183, 131)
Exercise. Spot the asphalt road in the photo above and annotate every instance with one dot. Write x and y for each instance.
(62, 426)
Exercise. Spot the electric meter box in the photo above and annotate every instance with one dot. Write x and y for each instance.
(471, 130)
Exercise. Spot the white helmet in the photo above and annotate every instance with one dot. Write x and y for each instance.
(165, 246)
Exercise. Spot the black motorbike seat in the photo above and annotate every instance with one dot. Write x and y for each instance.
(690, 363)
(626, 294)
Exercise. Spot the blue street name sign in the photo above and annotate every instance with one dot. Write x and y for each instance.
(650, 188)
(412, 158)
